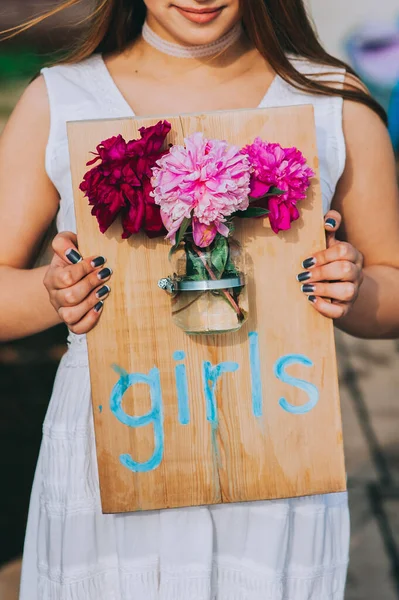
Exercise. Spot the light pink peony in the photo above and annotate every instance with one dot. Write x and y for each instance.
(207, 180)
(284, 168)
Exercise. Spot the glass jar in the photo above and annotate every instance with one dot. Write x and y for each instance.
(207, 288)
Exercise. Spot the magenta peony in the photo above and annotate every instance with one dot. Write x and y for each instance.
(205, 180)
(120, 185)
(283, 168)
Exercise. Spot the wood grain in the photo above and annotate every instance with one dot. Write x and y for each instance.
(274, 456)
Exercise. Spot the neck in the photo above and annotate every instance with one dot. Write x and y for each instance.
(165, 64)
(192, 51)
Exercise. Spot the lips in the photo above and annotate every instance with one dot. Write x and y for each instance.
(199, 15)
(200, 11)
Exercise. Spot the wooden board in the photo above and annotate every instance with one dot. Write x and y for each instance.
(245, 455)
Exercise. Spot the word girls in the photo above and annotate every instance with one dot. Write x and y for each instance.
(210, 376)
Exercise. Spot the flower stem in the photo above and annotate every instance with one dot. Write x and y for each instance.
(212, 275)
(174, 300)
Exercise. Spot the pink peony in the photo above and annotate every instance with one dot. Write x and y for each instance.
(206, 180)
(284, 168)
(120, 184)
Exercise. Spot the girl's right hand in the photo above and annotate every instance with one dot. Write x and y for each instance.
(76, 286)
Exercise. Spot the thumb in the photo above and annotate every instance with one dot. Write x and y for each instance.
(332, 222)
(65, 246)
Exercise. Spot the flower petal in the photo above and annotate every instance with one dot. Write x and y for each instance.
(203, 234)
(171, 226)
(258, 188)
(223, 229)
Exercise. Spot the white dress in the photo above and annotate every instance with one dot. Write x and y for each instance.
(294, 549)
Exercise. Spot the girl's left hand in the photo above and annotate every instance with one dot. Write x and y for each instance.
(333, 277)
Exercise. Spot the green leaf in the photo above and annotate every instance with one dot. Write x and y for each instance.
(275, 191)
(180, 234)
(253, 211)
(219, 254)
(230, 224)
(230, 269)
(182, 230)
(195, 269)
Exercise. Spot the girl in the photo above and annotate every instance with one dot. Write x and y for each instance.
(191, 55)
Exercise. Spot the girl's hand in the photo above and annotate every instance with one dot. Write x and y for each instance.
(76, 285)
(333, 277)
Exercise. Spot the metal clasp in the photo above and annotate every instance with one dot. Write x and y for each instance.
(168, 284)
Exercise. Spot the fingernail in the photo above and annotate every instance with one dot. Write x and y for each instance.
(331, 223)
(98, 262)
(312, 299)
(104, 273)
(104, 291)
(308, 288)
(73, 256)
(309, 262)
(303, 276)
(98, 307)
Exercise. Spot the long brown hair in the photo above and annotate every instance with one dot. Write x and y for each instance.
(277, 28)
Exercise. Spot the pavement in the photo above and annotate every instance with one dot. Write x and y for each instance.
(369, 376)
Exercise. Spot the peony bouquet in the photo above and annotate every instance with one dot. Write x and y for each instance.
(192, 193)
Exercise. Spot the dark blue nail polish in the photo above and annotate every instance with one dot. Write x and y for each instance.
(73, 256)
(98, 306)
(312, 299)
(331, 223)
(304, 276)
(98, 262)
(309, 262)
(104, 273)
(104, 291)
(308, 288)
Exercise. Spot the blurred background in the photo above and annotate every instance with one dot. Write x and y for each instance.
(366, 34)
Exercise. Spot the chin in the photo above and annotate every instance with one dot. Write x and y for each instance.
(195, 35)
(196, 26)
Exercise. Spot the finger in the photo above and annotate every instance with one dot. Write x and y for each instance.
(65, 251)
(65, 246)
(332, 222)
(68, 276)
(71, 315)
(89, 321)
(75, 294)
(341, 270)
(342, 292)
(338, 251)
(332, 310)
